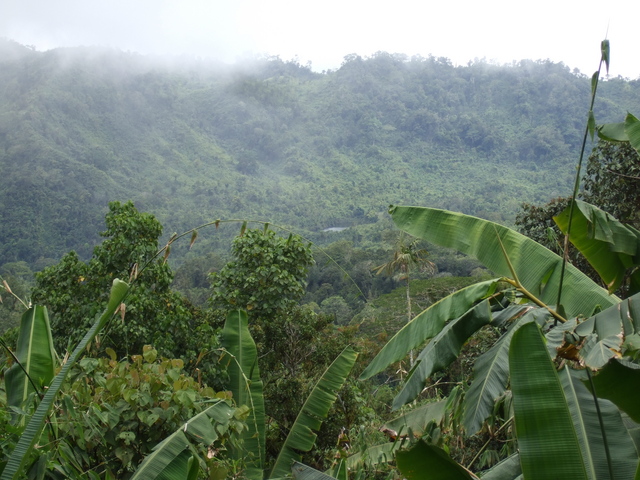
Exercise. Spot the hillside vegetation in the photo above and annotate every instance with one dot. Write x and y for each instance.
(274, 141)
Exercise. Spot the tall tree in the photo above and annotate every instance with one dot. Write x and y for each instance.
(74, 291)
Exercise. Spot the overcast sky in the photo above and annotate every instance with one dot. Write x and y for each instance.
(323, 32)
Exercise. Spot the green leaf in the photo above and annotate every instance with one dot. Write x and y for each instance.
(632, 128)
(591, 124)
(547, 440)
(619, 381)
(531, 261)
(418, 418)
(374, 455)
(608, 245)
(34, 427)
(442, 350)
(423, 459)
(246, 386)
(605, 49)
(304, 472)
(613, 132)
(587, 426)
(507, 469)
(173, 459)
(427, 325)
(491, 374)
(301, 436)
(36, 355)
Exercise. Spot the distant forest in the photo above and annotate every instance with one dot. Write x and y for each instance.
(272, 140)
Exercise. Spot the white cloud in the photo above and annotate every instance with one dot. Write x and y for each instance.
(324, 32)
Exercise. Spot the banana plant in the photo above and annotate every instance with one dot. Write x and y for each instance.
(589, 332)
(246, 389)
(34, 427)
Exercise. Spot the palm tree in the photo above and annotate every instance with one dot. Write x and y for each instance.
(406, 256)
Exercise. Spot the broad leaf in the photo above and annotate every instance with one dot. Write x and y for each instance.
(547, 441)
(173, 459)
(608, 245)
(36, 355)
(374, 455)
(491, 375)
(537, 268)
(246, 387)
(507, 469)
(632, 127)
(442, 350)
(587, 426)
(613, 132)
(427, 325)
(34, 427)
(315, 409)
(304, 472)
(423, 459)
(417, 419)
(619, 381)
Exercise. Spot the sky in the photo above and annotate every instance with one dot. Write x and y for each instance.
(324, 32)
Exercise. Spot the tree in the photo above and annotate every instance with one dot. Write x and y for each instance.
(267, 276)
(405, 257)
(73, 291)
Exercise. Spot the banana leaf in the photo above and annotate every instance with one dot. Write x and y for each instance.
(36, 355)
(632, 127)
(537, 268)
(304, 472)
(246, 387)
(33, 429)
(507, 469)
(586, 422)
(427, 325)
(417, 419)
(619, 381)
(609, 246)
(301, 436)
(374, 455)
(491, 374)
(547, 440)
(423, 459)
(442, 350)
(173, 458)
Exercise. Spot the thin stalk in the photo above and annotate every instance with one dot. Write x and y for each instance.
(604, 57)
(602, 430)
(484, 447)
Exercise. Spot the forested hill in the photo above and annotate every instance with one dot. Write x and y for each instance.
(192, 142)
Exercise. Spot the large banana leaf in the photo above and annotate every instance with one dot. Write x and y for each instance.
(608, 245)
(36, 355)
(537, 268)
(36, 423)
(627, 131)
(427, 325)
(422, 459)
(246, 386)
(442, 350)
(315, 409)
(491, 374)
(586, 422)
(547, 441)
(172, 459)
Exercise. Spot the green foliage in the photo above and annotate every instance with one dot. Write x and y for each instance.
(267, 276)
(275, 140)
(73, 290)
(113, 413)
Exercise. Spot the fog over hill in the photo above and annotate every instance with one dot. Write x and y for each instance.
(191, 142)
